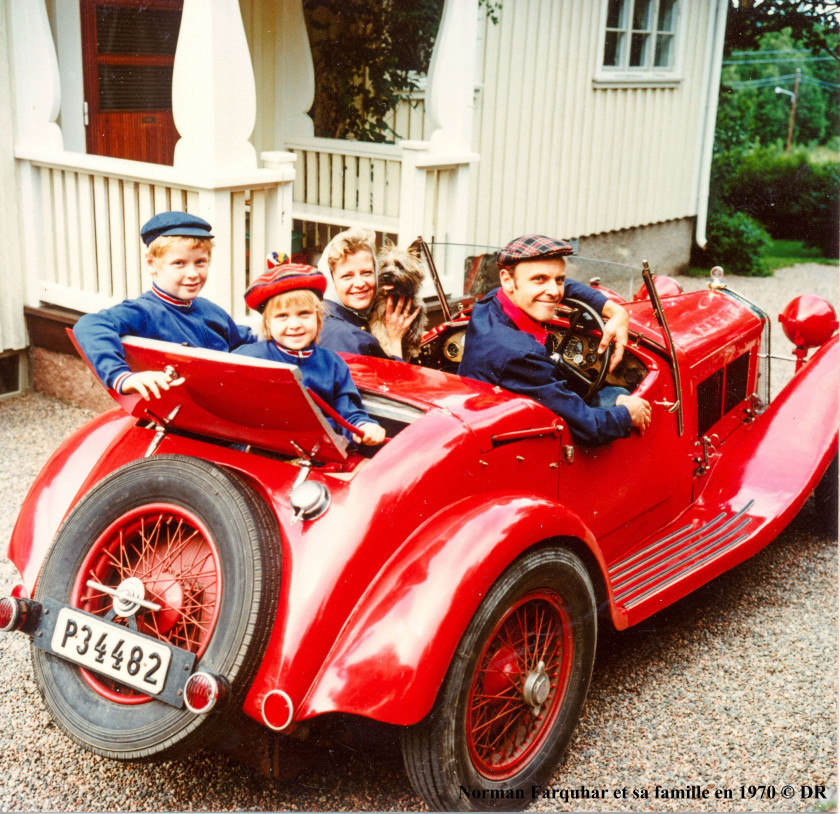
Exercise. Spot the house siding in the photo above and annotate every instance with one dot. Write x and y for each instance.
(561, 154)
(12, 329)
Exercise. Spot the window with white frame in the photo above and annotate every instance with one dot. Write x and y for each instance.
(640, 36)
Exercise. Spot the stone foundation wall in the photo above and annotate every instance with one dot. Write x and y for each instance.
(68, 378)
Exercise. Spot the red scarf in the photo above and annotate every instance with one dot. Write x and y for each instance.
(520, 319)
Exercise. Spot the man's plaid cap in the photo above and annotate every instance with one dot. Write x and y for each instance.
(285, 277)
(531, 247)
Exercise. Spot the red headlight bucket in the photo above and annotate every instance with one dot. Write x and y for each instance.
(203, 691)
(665, 286)
(808, 321)
(277, 710)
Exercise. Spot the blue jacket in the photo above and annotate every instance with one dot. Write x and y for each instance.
(155, 314)
(345, 331)
(496, 351)
(324, 372)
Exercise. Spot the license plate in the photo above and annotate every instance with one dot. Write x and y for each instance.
(111, 650)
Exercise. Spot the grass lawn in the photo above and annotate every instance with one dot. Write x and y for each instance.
(790, 252)
(783, 253)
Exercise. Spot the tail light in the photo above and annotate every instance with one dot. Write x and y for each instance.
(203, 691)
(18, 614)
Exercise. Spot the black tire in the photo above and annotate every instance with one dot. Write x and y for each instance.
(212, 550)
(481, 747)
(826, 500)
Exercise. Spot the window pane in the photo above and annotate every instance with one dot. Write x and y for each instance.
(135, 87)
(613, 45)
(136, 30)
(638, 50)
(664, 50)
(616, 13)
(667, 16)
(641, 15)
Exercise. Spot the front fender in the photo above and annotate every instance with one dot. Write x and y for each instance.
(393, 653)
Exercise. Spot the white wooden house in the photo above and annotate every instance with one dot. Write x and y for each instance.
(588, 119)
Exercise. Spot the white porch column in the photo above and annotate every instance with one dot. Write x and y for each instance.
(450, 89)
(214, 104)
(450, 106)
(37, 88)
(279, 215)
(294, 82)
(37, 94)
(214, 100)
(412, 192)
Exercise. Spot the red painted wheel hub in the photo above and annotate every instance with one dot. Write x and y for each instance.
(519, 684)
(170, 551)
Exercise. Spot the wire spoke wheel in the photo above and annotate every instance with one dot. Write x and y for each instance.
(161, 553)
(514, 690)
(519, 684)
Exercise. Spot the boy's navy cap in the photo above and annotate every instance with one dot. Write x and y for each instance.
(281, 278)
(174, 223)
(531, 247)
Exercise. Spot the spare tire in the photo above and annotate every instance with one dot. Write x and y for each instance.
(206, 549)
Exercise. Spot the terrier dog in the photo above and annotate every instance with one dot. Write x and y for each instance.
(400, 275)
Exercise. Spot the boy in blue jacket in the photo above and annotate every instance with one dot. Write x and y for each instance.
(179, 247)
(290, 298)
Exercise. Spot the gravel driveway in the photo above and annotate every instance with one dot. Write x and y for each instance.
(734, 686)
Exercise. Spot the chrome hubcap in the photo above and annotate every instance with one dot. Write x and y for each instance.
(537, 688)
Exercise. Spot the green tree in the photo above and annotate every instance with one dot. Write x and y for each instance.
(367, 55)
(748, 90)
(812, 23)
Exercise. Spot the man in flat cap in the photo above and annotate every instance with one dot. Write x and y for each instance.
(505, 342)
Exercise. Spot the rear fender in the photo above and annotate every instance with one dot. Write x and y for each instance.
(393, 653)
(80, 460)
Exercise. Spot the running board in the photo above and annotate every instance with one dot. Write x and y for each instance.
(679, 553)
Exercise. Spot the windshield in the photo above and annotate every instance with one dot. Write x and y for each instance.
(470, 270)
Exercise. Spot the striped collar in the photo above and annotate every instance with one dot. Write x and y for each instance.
(520, 319)
(169, 298)
(295, 354)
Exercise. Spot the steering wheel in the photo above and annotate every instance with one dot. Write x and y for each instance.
(574, 369)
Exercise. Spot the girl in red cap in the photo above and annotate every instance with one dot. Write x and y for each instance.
(289, 297)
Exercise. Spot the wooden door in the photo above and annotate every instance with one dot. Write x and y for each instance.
(128, 49)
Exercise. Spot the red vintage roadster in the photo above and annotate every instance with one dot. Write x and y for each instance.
(221, 559)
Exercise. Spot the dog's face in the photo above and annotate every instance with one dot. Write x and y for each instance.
(402, 272)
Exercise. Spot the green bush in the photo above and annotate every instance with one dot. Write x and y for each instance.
(737, 242)
(794, 197)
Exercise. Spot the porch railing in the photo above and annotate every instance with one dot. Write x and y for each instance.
(83, 216)
(398, 190)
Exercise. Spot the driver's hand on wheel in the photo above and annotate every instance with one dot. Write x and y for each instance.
(639, 411)
(615, 330)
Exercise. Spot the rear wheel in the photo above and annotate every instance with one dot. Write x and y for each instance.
(201, 549)
(514, 691)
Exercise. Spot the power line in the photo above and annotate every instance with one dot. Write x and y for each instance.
(769, 81)
(775, 60)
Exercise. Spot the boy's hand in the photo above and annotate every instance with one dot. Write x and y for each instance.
(148, 381)
(371, 434)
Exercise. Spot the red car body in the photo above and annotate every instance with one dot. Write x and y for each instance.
(377, 591)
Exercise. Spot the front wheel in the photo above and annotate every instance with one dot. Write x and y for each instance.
(514, 691)
(199, 546)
